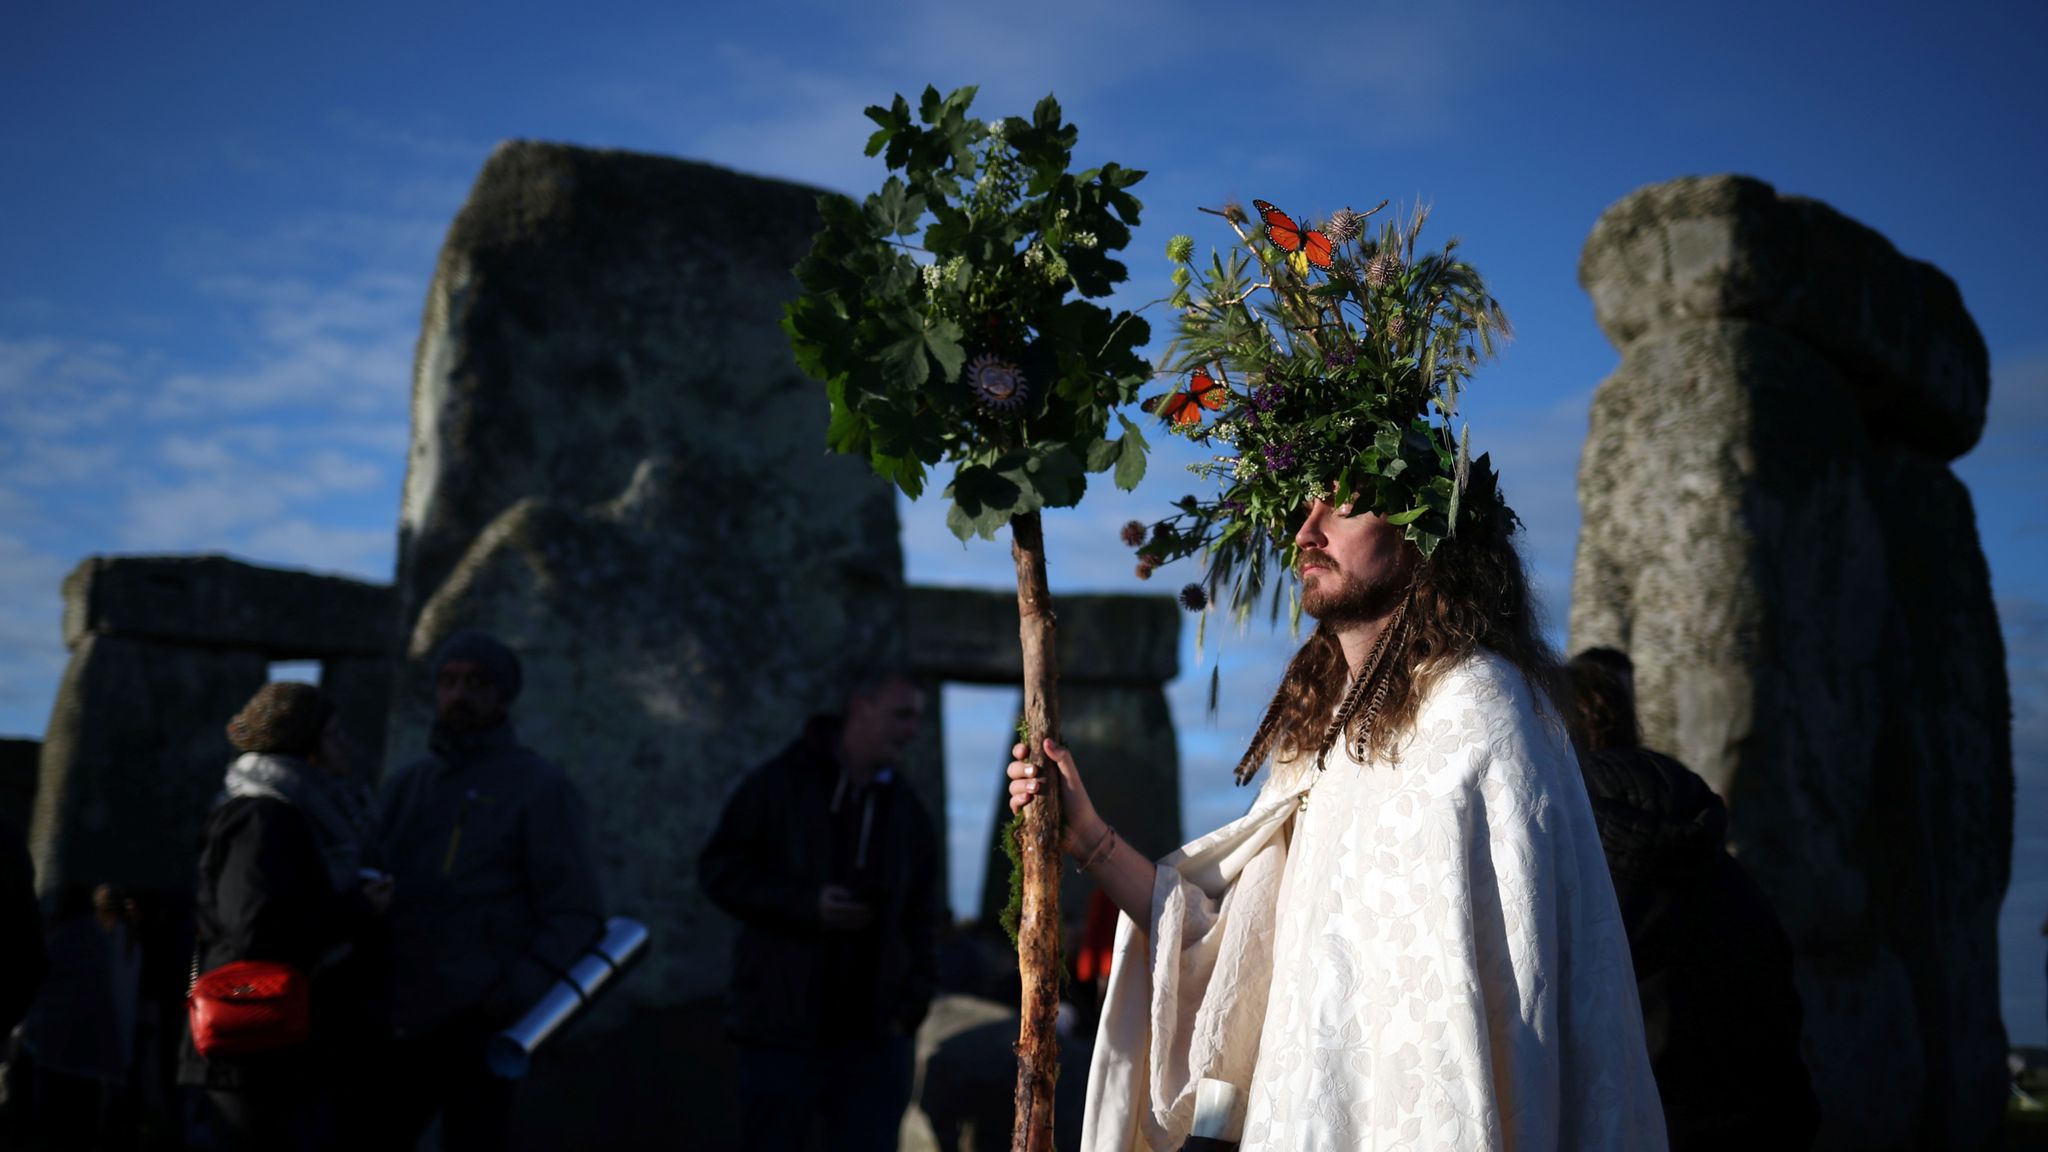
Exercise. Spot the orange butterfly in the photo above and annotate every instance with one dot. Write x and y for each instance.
(1292, 238)
(1185, 407)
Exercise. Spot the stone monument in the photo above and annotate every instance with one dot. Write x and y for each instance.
(164, 649)
(1772, 532)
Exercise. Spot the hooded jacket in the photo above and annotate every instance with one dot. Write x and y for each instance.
(1713, 966)
(495, 894)
(765, 864)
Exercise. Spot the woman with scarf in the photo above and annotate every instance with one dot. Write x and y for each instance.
(280, 880)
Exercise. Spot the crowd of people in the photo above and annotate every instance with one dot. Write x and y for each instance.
(1364, 948)
(350, 953)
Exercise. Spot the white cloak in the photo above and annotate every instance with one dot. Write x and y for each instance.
(1430, 956)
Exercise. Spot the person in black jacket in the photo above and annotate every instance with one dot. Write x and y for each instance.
(496, 896)
(279, 880)
(1713, 966)
(830, 864)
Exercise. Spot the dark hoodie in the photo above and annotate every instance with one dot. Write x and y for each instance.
(1713, 967)
(776, 845)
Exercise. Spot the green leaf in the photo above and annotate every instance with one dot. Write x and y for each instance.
(986, 499)
(942, 339)
(903, 362)
(1408, 517)
(1130, 464)
(1104, 454)
(894, 211)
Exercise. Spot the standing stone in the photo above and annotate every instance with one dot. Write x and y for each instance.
(1772, 532)
(1116, 655)
(135, 753)
(618, 468)
(164, 650)
(361, 690)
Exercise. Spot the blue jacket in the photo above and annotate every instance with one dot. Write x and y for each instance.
(495, 895)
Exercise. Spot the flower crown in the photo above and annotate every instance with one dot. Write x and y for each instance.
(1331, 360)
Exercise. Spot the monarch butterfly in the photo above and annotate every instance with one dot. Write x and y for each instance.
(1298, 242)
(1185, 407)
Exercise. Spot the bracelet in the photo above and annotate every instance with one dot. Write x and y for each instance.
(1103, 848)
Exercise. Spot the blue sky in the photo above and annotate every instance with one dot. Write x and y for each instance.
(220, 229)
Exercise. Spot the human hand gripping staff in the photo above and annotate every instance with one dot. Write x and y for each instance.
(949, 317)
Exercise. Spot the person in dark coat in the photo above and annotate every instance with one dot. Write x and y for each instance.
(495, 897)
(1713, 966)
(23, 959)
(279, 880)
(830, 864)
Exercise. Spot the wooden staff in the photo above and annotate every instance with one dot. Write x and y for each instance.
(1038, 923)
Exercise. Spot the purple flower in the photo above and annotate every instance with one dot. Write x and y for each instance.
(1193, 598)
(1268, 398)
(1281, 457)
(1133, 534)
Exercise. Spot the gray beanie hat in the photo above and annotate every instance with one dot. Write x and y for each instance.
(500, 663)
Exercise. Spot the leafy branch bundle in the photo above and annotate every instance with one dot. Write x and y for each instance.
(950, 316)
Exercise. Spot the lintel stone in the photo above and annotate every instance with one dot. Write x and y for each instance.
(217, 602)
(970, 635)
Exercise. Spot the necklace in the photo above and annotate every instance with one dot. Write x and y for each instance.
(1371, 682)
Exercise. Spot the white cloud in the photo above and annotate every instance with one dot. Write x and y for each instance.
(32, 653)
(365, 553)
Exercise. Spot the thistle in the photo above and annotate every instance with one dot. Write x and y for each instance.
(998, 385)
(1381, 270)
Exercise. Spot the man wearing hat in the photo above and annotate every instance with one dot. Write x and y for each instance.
(494, 896)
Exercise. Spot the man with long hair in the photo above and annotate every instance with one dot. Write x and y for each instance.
(1412, 936)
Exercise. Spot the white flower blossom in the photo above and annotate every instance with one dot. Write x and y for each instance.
(1085, 240)
(932, 277)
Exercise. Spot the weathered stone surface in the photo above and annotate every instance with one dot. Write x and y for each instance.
(656, 692)
(590, 309)
(1732, 247)
(970, 634)
(1123, 738)
(1801, 587)
(618, 468)
(134, 755)
(361, 689)
(216, 602)
(18, 760)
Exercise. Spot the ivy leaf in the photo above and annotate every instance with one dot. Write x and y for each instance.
(1408, 517)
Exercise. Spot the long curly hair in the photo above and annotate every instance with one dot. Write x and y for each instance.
(1471, 593)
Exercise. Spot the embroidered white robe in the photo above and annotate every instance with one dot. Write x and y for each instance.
(1428, 957)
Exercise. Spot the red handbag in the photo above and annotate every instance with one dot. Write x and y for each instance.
(248, 1006)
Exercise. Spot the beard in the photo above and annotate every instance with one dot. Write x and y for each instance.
(1338, 597)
